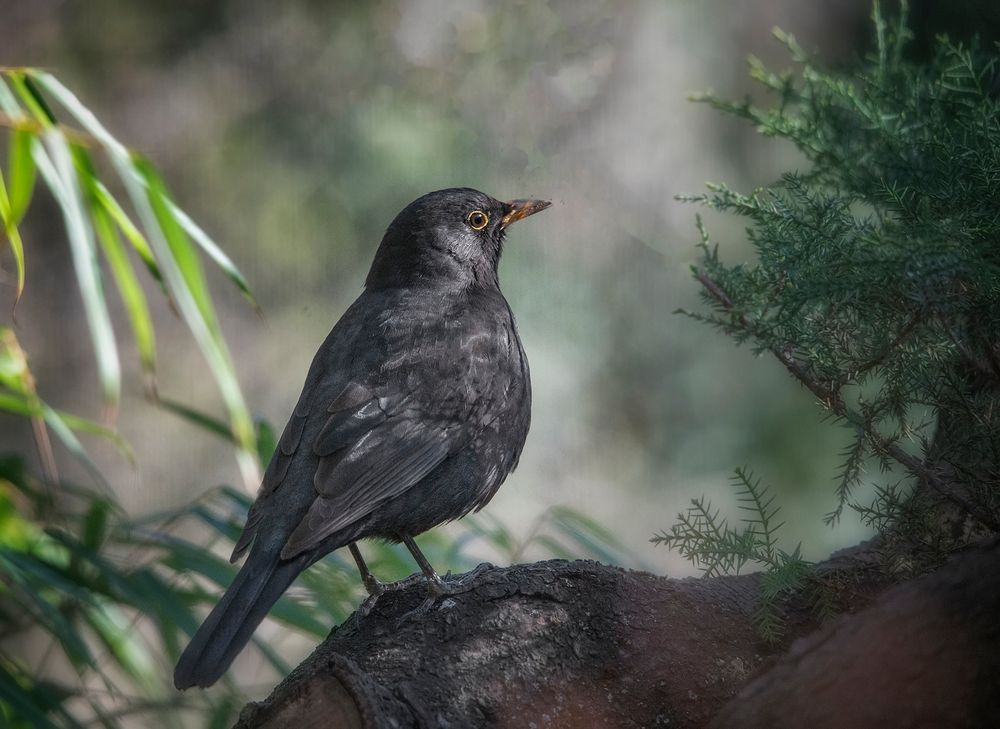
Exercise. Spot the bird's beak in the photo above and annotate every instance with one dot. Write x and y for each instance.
(517, 209)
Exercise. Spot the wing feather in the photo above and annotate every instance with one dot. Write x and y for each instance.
(393, 457)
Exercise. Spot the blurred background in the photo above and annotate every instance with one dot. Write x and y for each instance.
(294, 132)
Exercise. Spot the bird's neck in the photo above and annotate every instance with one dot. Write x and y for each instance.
(428, 268)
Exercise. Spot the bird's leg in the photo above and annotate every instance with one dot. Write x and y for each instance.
(440, 586)
(376, 588)
(437, 585)
(372, 584)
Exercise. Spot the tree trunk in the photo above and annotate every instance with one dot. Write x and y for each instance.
(579, 644)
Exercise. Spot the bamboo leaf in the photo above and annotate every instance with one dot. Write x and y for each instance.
(90, 122)
(115, 632)
(267, 441)
(202, 420)
(127, 227)
(22, 173)
(14, 236)
(148, 196)
(8, 102)
(63, 425)
(182, 252)
(32, 98)
(128, 285)
(65, 435)
(60, 175)
(214, 252)
(191, 293)
(23, 703)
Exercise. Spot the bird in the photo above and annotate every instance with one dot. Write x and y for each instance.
(414, 411)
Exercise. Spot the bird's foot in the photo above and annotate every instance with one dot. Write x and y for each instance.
(458, 584)
(374, 586)
(376, 589)
(446, 587)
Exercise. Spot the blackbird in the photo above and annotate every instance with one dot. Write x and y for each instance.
(414, 410)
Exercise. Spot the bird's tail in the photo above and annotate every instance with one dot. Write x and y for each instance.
(257, 586)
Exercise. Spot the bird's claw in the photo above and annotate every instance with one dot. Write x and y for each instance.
(460, 584)
(422, 609)
(439, 588)
(376, 589)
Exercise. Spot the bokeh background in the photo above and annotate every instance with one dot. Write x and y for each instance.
(295, 131)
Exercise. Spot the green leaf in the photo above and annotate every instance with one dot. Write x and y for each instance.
(95, 524)
(149, 197)
(22, 173)
(189, 288)
(295, 614)
(8, 102)
(36, 577)
(117, 635)
(60, 175)
(214, 252)
(59, 426)
(266, 440)
(23, 702)
(13, 235)
(127, 227)
(32, 98)
(128, 285)
(202, 420)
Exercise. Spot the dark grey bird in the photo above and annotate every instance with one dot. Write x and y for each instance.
(414, 411)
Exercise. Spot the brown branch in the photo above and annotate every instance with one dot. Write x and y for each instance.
(924, 655)
(553, 644)
(832, 400)
(578, 644)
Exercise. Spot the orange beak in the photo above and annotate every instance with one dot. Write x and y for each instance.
(517, 209)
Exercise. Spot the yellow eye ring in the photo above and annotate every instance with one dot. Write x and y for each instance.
(478, 220)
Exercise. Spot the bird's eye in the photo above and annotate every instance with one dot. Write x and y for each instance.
(478, 219)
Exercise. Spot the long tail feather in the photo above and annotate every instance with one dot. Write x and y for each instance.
(228, 628)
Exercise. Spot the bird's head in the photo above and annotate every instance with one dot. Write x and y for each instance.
(451, 237)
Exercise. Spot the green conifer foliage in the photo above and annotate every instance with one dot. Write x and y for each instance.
(876, 280)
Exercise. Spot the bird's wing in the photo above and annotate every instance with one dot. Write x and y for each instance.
(374, 446)
(275, 474)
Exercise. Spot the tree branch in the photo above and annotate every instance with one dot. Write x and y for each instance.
(579, 644)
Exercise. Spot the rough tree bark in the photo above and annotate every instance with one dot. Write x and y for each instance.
(579, 644)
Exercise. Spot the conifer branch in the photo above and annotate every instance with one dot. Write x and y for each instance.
(832, 400)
